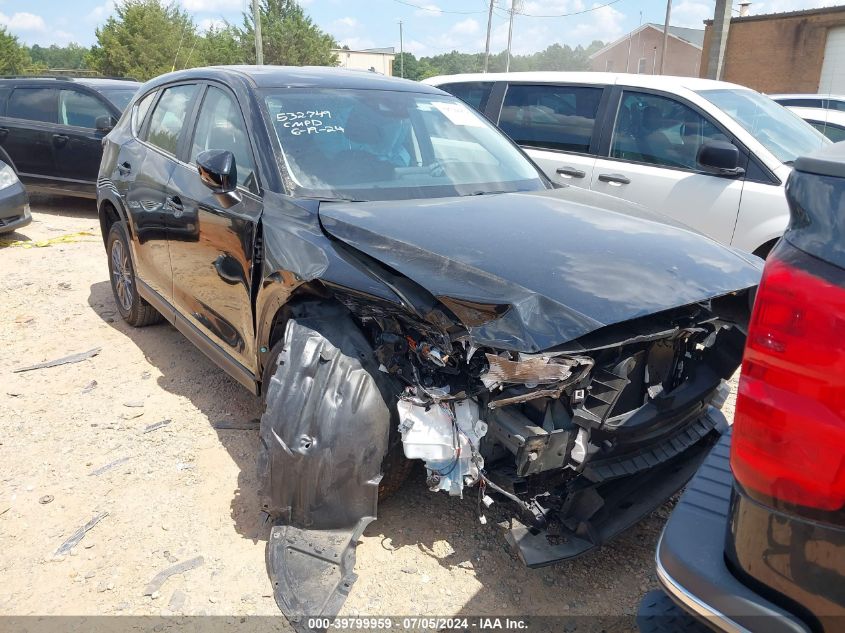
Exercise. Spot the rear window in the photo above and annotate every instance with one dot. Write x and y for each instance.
(551, 117)
(802, 103)
(169, 116)
(475, 93)
(33, 104)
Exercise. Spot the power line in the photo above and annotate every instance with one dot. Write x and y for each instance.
(433, 10)
(565, 15)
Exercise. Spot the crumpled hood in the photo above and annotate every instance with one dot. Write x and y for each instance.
(530, 271)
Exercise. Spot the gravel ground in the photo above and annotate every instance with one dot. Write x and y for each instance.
(82, 440)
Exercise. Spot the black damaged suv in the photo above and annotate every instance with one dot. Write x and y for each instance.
(398, 281)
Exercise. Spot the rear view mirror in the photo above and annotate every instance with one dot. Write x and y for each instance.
(219, 172)
(105, 123)
(720, 158)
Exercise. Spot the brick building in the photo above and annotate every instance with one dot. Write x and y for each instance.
(639, 52)
(799, 51)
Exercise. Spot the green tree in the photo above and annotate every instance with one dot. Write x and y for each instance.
(143, 39)
(289, 37)
(221, 45)
(71, 56)
(14, 59)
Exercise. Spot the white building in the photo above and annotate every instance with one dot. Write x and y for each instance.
(379, 60)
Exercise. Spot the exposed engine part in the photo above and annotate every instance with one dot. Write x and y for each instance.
(446, 437)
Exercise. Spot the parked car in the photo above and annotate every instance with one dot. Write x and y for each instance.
(14, 203)
(757, 542)
(824, 102)
(52, 128)
(710, 154)
(831, 123)
(396, 279)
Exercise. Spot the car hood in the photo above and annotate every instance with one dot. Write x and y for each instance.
(530, 271)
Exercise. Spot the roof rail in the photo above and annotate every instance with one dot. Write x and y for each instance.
(58, 75)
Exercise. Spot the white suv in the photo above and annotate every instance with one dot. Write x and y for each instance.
(710, 154)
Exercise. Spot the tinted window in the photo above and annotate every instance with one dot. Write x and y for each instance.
(220, 125)
(119, 97)
(80, 109)
(554, 117)
(835, 104)
(475, 94)
(660, 131)
(169, 116)
(139, 112)
(802, 103)
(833, 132)
(35, 104)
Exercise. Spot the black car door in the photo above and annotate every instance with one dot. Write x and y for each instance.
(26, 132)
(211, 247)
(77, 146)
(147, 168)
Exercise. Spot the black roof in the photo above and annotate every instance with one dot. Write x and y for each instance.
(93, 82)
(300, 77)
(829, 161)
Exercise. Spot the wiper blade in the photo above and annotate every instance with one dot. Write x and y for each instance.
(331, 199)
(484, 193)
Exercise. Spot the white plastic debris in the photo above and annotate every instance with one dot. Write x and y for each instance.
(446, 437)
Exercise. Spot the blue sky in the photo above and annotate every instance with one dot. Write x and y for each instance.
(431, 27)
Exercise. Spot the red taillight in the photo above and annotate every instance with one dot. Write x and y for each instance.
(789, 429)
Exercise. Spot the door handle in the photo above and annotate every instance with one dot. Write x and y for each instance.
(570, 172)
(60, 139)
(124, 169)
(615, 179)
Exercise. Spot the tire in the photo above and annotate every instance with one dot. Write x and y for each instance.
(132, 308)
(324, 369)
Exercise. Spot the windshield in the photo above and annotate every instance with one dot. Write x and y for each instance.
(782, 132)
(390, 145)
(120, 97)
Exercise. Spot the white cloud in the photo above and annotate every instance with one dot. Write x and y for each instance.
(465, 27)
(779, 6)
(23, 21)
(206, 24)
(691, 13)
(100, 13)
(428, 11)
(345, 25)
(207, 6)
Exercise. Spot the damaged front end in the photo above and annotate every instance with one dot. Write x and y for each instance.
(580, 441)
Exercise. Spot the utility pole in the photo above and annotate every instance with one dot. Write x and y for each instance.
(401, 52)
(259, 44)
(489, 26)
(718, 39)
(510, 36)
(665, 37)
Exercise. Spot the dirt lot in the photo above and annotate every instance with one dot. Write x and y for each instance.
(186, 489)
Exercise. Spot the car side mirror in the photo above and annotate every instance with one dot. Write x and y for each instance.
(720, 158)
(219, 172)
(105, 123)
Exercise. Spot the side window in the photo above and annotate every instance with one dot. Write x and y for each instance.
(34, 104)
(835, 104)
(833, 132)
(802, 103)
(80, 109)
(169, 117)
(220, 125)
(660, 131)
(552, 117)
(139, 112)
(474, 93)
